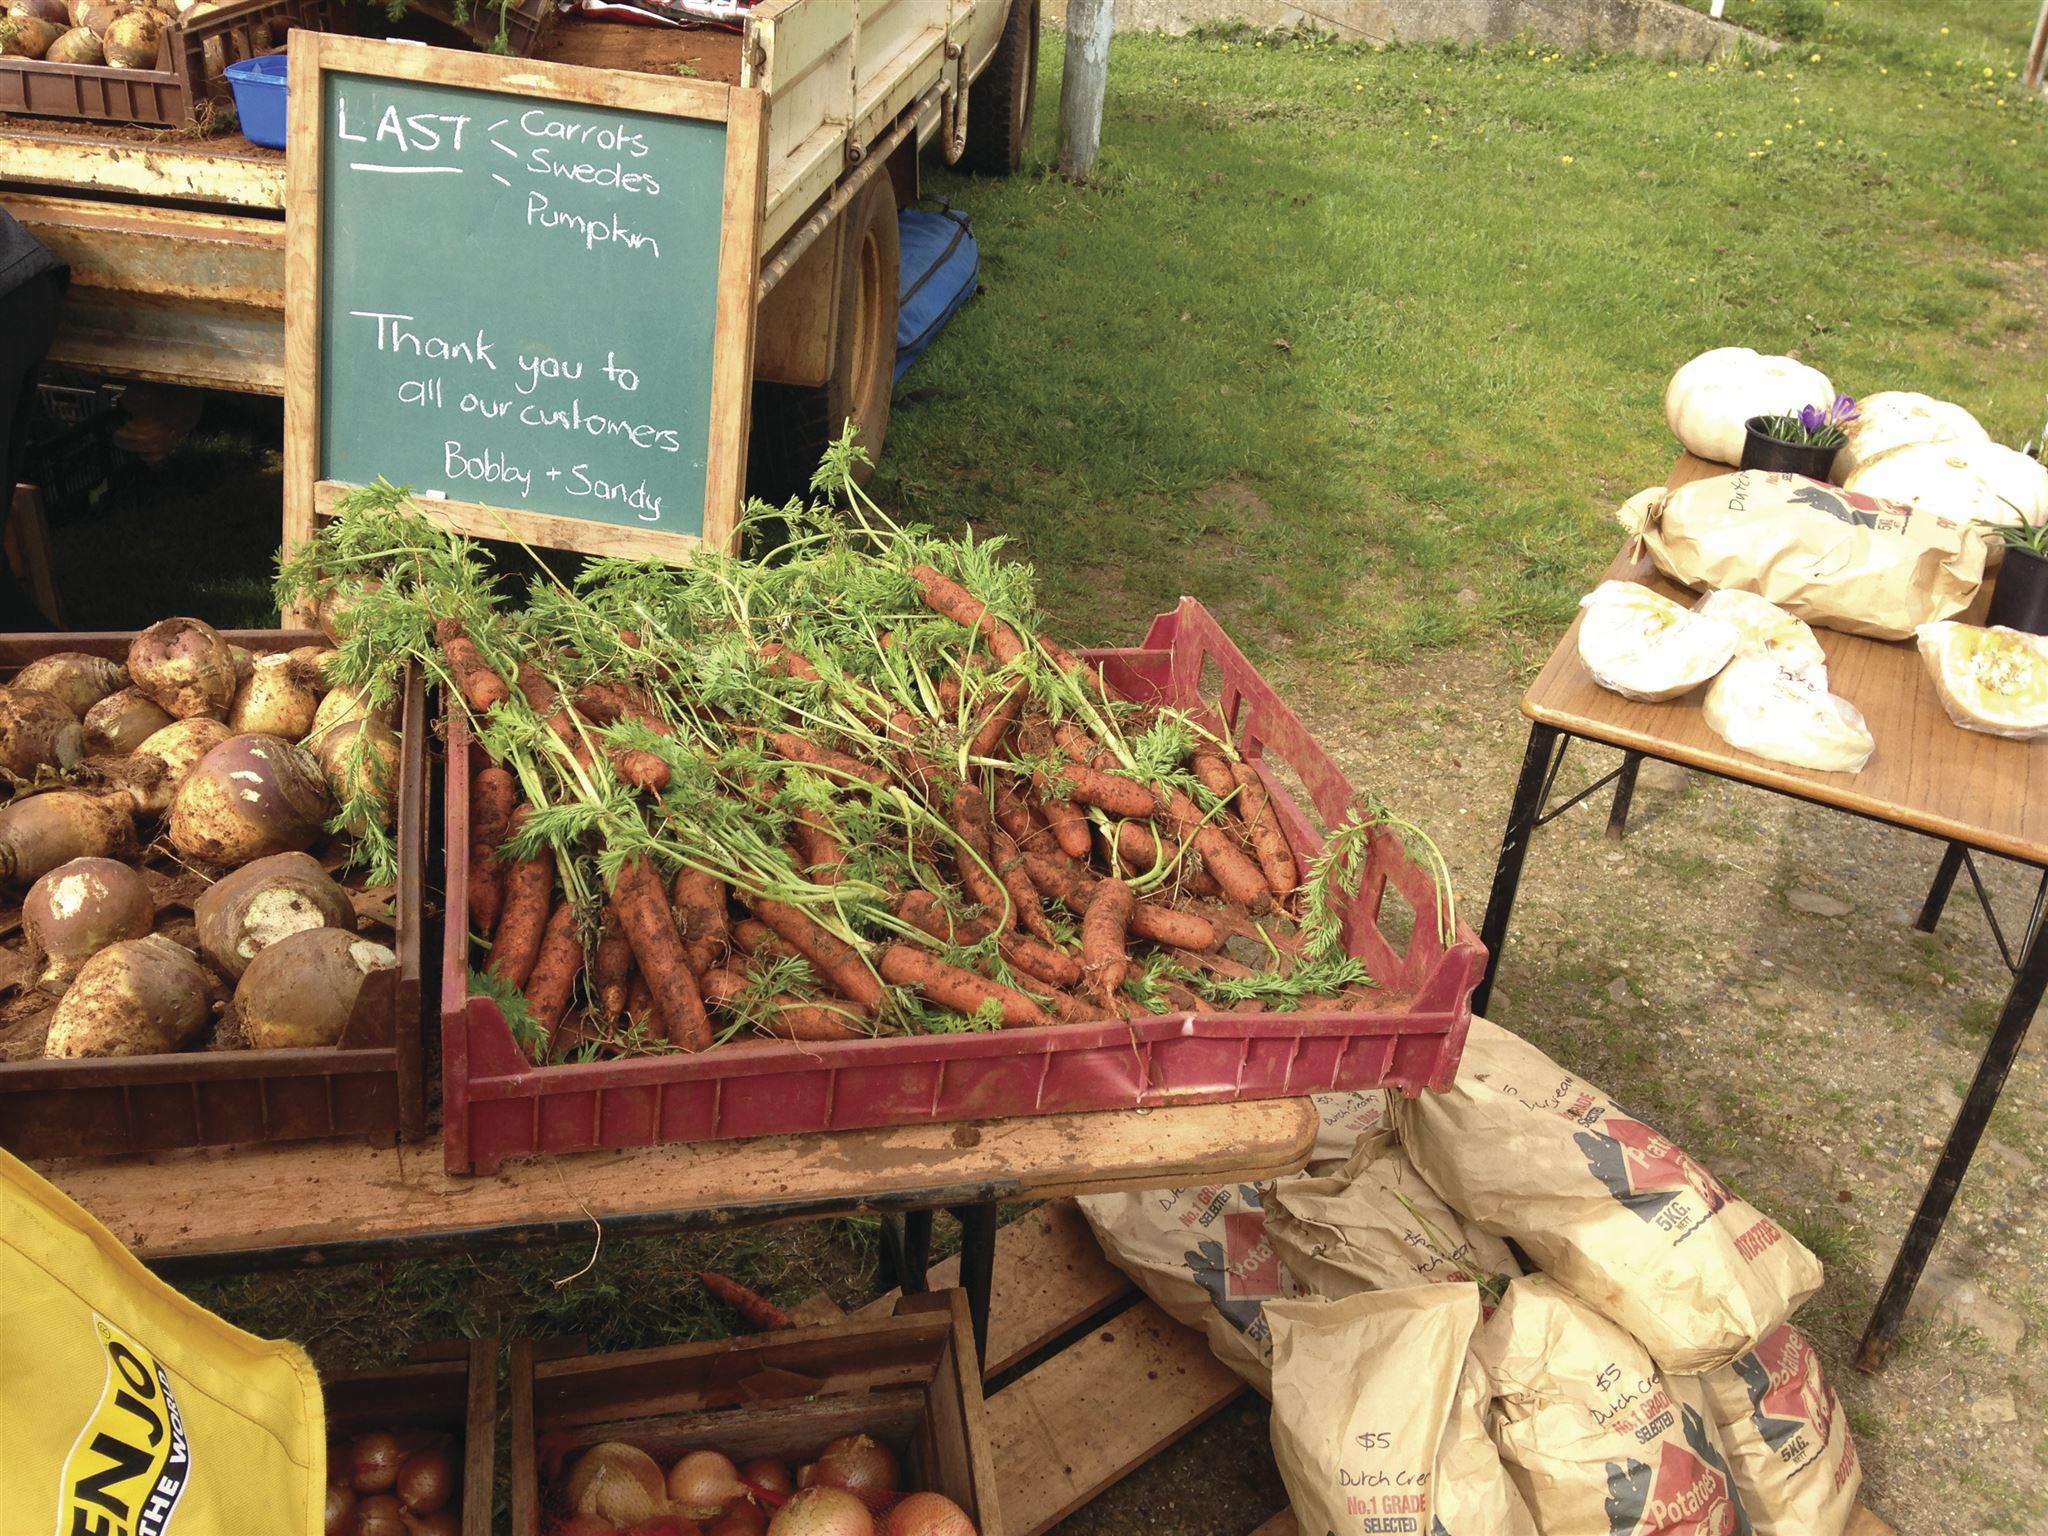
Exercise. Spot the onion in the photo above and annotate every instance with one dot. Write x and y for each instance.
(704, 1484)
(341, 1510)
(857, 1464)
(373, 1462)
(823, 1512)
(380, 1515)
(740, 1520)
(928, 1514)
(424, 1482)
(766, 1473)
(620, 1482)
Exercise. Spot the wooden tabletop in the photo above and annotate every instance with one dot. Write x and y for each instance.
(1927, 775)
(333, 1202)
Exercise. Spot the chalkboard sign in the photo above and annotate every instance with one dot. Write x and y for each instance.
(524, 290)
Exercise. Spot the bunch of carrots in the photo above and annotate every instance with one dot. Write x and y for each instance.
(853, 790)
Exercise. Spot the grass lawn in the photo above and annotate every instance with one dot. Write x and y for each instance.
(1361, 348)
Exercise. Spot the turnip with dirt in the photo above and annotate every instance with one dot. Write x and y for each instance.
(264, 902)
(152, 774)
(77, 910)
(301, 990)
(74, 678)
(249, 797)
(360, 761)
(139, 997)
(276, 699)
(37, 732)
(122, 721)
(39, 832)
(184, 664)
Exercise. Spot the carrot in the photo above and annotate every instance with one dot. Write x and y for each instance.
(639, 1000)
(1067, 661)
(1243, 882)
(481, 688)
(784, 662)
(1016, 815)
(491, 796)
(1026, 912)
(1107, 791)
(1034, 957)
(757, 1309)
(542, 699)
(554, 974)
(1172, 927)
(785, 1015)
(1214, 773)
(1105, 938)
(975, 857)
(639, 769)
(610, 968)
(836, 961)
(995, 725)
(698, 900)
(642, 905)
(1069, 826)
(951, 987)
(1138, 845)
(820, 854)
(1058, 878)
(953, 601)
(529, 885)
(753, 937)
(948, 690)
(799, 749)
(1276, 859)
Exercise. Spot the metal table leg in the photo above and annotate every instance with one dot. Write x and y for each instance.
(1530, 791)
(2030, 979)
(978, 1268)
(906, 1250)
(1944, 881)
(1624, 795)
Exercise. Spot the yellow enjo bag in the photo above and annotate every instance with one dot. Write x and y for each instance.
(126, 1410)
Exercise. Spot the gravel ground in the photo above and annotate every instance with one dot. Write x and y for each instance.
(1742, 972)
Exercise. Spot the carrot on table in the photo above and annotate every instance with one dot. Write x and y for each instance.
(1276, 859)
(751, 1305)
(1025, 910)
(1174, 928)
(611, 965)
(492, 794)
(949, 599)
(523, 919)
(698, 900)
(752, 937)
(1243, 882)
(836, 961)
(995, 725)
(554, 974)
(542, 699)
(820, 856)
(1105, 938)
(826, 760)
(481, 688)
(1035, 957)
(1214, 772)
(785, 1015)
(642, 905)
(960, 990)
(1069, 825)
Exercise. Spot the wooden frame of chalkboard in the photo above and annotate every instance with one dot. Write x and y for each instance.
(729, 308)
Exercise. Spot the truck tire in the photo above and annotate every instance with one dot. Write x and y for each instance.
(1000, 103)
(793, 424)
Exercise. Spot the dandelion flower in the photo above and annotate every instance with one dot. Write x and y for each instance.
(1567, 159)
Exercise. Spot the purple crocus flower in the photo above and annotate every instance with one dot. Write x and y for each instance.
(1843, 411)
(1811, 417)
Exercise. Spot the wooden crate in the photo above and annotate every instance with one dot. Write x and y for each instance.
(369, 1085)
(910, 1380)
(453, 1389)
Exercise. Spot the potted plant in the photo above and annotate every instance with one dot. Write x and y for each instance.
(1799, 444)
(2019, 599)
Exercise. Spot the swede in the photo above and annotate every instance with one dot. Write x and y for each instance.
(265, 901)
(140, 997)
(332, 611)
(315, 660)
(38, 731)
(360, 757)
(345, 704)
(75, 679)
(39, 832)
(301, 990)
(275, 699)
(122, 721)
(77, 910)
(249, 797)
(185, 666)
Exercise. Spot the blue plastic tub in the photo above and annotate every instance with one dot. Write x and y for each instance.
(259, 87)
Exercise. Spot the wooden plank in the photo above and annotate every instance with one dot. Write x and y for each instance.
(320, 1202)
(119, 158)
(1050, 1277)
(1094, 1411)
(674, 53)
(1927, 775)
(171, 341)
(160, 252)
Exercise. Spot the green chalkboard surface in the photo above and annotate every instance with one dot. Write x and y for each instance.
(518, 299)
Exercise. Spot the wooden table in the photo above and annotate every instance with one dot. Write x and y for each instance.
(1976, 793)
(314, 1203)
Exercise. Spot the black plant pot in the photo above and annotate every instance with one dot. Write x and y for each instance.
(1761, 451)
(2019, 598)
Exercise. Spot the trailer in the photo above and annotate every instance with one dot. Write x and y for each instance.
(176, 240)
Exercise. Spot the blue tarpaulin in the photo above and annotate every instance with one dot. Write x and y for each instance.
(941, 266)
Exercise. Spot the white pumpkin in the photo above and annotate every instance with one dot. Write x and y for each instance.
(1892, 418)
(1644, 646)
(1990, 680)
(1982, 482)
(1758, 705)
(1710, 400)
(1768, 630)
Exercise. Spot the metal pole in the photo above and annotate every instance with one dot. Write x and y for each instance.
(2037, 56)
(1514, 847)
(978, 1269)
(1624, 796)
(1084, 85)
(2021, 1004)
(1937, 893)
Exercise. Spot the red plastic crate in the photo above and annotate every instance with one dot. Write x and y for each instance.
(496, 1106)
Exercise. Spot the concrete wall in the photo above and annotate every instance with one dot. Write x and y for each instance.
(1658, 28)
